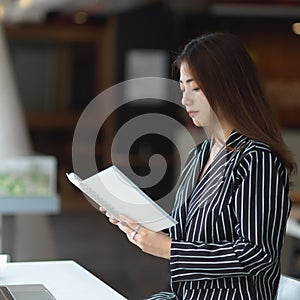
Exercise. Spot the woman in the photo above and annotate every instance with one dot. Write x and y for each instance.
(232, 203)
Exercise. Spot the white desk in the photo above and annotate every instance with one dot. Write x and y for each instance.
(66, 280)
(28, 212)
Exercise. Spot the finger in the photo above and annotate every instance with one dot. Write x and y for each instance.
(127, 219)
(102, 210)
(125, 228)
(130, 222)
(110, 215)
(130, 233)
(113, 221)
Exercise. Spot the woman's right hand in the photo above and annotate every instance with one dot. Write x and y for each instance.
(110, 217)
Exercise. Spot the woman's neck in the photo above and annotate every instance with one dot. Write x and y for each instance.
(219, 133)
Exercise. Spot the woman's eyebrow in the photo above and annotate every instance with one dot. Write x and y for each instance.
(187, 81)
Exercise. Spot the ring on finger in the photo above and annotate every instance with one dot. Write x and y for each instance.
(137, 228)
(132, 234)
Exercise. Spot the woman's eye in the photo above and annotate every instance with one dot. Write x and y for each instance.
(196, 89)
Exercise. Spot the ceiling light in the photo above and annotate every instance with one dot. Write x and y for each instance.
(24, 3)
(2, 10)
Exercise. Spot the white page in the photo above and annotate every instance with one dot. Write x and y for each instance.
(112, 190)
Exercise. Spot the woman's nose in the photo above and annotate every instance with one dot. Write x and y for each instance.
(186, 99)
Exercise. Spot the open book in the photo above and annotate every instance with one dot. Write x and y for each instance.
(117, 194)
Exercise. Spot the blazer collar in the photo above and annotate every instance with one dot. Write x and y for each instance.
(235, 140)
(221, 165)
(197, 159)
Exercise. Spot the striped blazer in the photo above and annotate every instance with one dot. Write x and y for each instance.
(231, 224)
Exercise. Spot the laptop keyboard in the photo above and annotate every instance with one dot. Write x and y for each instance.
(5, 294)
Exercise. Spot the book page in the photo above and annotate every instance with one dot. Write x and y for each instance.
(116, 193)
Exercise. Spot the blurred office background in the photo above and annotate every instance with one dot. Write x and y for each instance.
(65, 52)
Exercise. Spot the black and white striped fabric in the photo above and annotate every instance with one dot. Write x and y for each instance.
(231, 224)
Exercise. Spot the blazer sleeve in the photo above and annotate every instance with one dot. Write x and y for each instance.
(260, 207)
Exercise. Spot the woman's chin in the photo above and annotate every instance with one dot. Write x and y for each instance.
(197, 123)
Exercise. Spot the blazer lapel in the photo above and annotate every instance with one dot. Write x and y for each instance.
(190, 174)
(188, 181)
(209, 186)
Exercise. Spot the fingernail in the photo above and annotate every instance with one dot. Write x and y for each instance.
(119, 224)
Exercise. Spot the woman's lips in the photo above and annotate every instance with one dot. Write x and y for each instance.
(192, 113)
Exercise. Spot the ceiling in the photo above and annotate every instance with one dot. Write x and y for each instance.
(14, 11)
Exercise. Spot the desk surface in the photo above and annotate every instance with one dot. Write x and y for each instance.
(66, 280)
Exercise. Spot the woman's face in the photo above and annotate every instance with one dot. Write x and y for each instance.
(193, 98)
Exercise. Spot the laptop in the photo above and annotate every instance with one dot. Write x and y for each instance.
(25, 292)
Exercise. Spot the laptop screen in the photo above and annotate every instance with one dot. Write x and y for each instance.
(25, 292)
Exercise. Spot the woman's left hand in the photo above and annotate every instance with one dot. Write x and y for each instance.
(155, 243)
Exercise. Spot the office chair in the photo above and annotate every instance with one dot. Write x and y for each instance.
(289, 288)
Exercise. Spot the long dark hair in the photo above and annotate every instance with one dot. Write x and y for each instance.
(227, 75)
